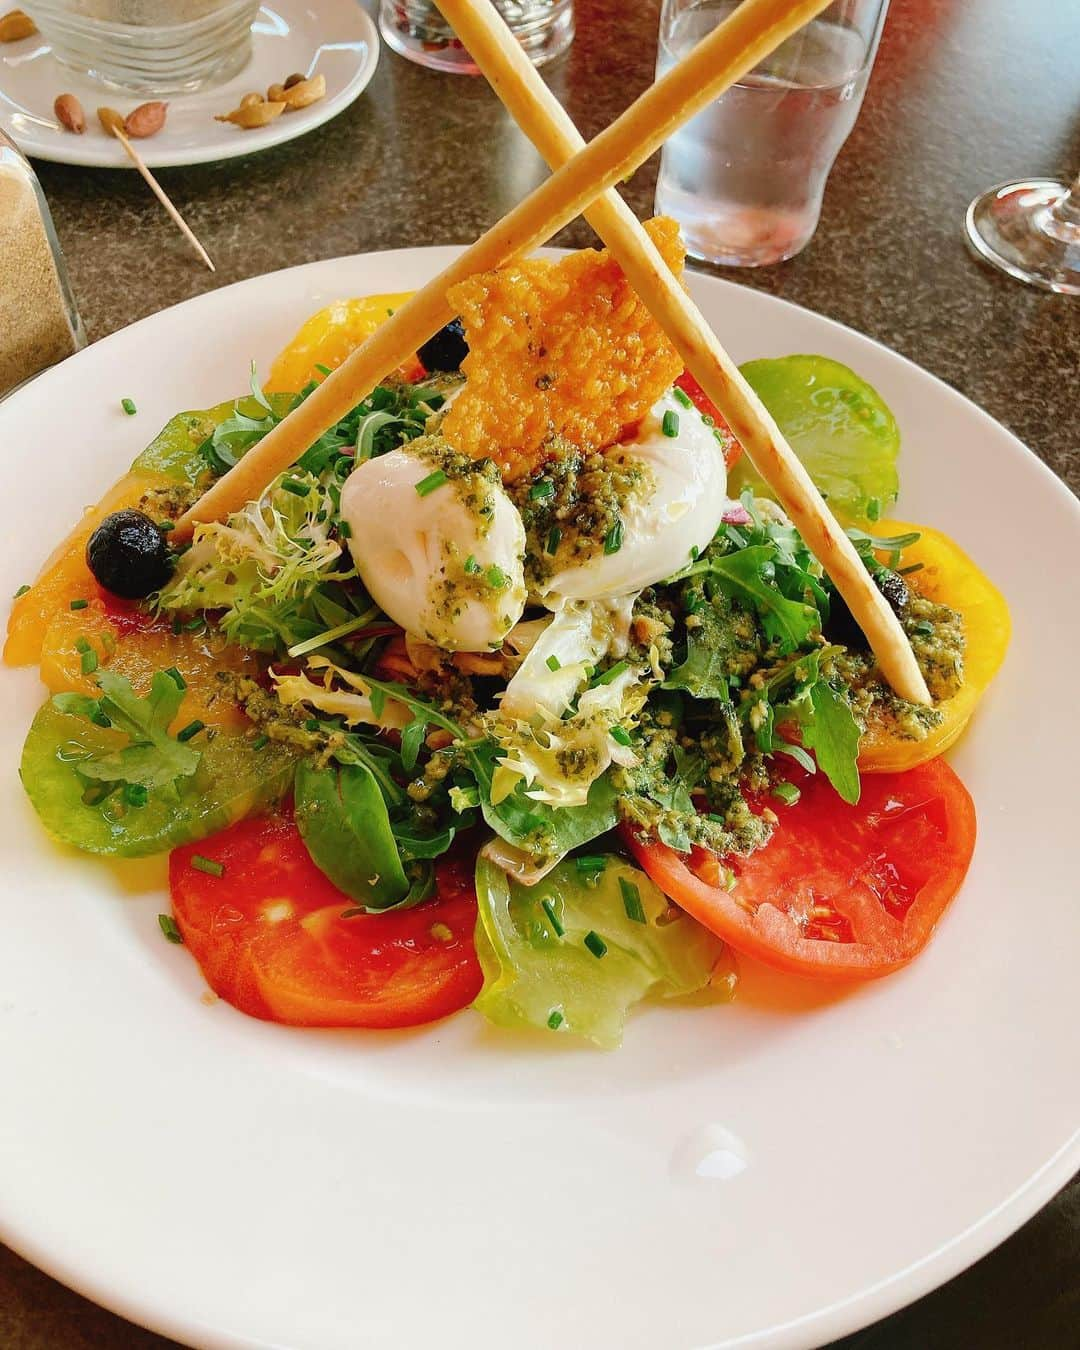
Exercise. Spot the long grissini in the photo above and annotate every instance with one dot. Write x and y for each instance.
(748, 35)
(543, 119)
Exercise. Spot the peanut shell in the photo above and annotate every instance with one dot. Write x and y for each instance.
(304, 94)
(254, 115)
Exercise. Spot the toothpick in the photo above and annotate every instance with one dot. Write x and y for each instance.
(159, 192)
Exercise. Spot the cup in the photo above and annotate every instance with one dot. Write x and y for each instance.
(416, 29)
(149, 46)
(745, 177)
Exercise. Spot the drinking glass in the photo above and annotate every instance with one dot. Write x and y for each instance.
(745, 177)
(149, 46)
(416, 29)
(1030, 228)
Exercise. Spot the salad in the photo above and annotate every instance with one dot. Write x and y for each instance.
(517, 691)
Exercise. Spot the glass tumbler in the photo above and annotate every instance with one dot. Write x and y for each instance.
(416, 29)
(745, 177)
(149, 46)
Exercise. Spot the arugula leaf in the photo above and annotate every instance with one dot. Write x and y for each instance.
(833, 735)
(702, 674)
(749, 574)
(153, 759)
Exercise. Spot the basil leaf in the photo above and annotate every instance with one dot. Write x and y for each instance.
(342, 817)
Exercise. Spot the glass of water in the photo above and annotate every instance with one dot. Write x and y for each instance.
(416, 29)
(745, 177)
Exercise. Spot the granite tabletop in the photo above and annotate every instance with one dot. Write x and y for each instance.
(963, 95)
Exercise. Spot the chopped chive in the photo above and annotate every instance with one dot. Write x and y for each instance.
(296, 488)
(555, 1019)
(431, 482)
(177, 626)
(166, 525)
(620, 735)
(471, 565)
(541, 491)
(554, 539)
(89, 661)
(192, 729)
(176, 677)
(210, 866)
(923, 628)
(695, 552)
(99, 717)
(312, 724)
(612, 673)
(631, 898)
(614, 537)
(128, 406)
(323, 370)
(553, 918)
(595, 944)
(907, 571)
(82, 645)
(167, 924)
(496, 577)
(788, 793)
(683, 397)
(260, 742)
(873, 509)
(78, 604)
(669, 424)
(590, 864)
(135, 794)
(344, 529)
(553, 663)
(21, 591)
(195, 625)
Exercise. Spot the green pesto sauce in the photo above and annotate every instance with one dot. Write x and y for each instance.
(474, 480)
(586, 496)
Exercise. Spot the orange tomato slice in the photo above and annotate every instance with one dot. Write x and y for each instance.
(329, 336)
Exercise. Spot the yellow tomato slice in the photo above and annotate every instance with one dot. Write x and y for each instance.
(130, 642)
(66, 576)
(329, 336)
(948, 577)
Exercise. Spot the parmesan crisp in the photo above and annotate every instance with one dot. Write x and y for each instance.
(560, 348)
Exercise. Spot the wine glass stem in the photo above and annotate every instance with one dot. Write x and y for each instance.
(1063, 220)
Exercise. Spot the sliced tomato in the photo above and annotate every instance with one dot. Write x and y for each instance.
(839, 891)
(270, 937)
(704, 404)
(947, 576)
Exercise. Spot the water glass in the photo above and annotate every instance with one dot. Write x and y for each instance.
(416, 29)
(745, 177)
(149, 46)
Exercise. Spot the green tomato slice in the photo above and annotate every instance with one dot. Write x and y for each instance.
(838, 425)
(174, 451)
(535, 975)
(233, 780)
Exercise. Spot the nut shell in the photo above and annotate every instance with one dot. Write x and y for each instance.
(16, 25)
(69, 113)
(305, 93)
(253, 116)
(145, 120)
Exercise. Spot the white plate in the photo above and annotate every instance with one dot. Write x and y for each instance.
(775, 1172)
(335, 38)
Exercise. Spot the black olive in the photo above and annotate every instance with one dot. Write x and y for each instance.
(128, 555)
(447, 349)
(894, 588)
(842, 627)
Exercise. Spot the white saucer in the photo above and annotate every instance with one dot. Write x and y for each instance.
(335, 38)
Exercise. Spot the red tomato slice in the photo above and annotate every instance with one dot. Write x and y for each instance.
(839, 890)
(270, 938)
(704, 404)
